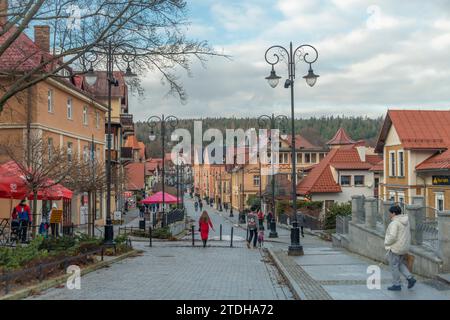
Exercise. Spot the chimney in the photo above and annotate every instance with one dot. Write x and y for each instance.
(42, 37)
(3, 12)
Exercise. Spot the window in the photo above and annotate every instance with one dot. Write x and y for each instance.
(69, 151)
(85, 115)
(69, 108)
(284, 158)
(401, 164)
(313, 157)
(439, 201)
(50, 100)
(345, 180)
(307, 157)
(97, 119)
(392, 196)
(112, 141)
(401, 198)
(256, 180)
(321, 156)
(50, 148)
(359, 181)
(86, 153)
(392, 165)
(299, 158)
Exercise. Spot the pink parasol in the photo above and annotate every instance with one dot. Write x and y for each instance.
(158, 198)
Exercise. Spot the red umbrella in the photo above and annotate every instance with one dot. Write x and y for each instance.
(158, 198)
(13, 185)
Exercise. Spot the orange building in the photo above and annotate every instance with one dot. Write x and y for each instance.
(58, 111)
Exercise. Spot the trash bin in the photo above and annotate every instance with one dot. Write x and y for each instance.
(142, 224)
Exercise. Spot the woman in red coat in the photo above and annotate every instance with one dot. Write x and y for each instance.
(204, 223)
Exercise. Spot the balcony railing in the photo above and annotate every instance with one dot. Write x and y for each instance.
(126, 121)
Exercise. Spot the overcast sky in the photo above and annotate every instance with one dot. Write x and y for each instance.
(373, 55)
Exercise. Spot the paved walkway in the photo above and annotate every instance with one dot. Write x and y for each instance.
(176, 270)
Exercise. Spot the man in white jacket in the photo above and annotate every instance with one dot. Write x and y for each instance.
(397, 242)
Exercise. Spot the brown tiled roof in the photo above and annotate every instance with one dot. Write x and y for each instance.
(300, 142)
(379, 167)
(340, 138)
(135, 176)
(320, 179)
(437, 162)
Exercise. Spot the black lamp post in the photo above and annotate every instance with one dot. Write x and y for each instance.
(273, 121)
(112, 54)
(231, 189)
(302, 53)
(172, 121)
(242, 213)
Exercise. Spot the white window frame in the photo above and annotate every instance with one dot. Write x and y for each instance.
(299, 157)
(256, 180)
(364, 180)
(392, 164)
(85, 115)
(392, 196)
(349, 182)
(439, 196)
(310, 158)
(69, 108)
(400, 196)
(97, 119)
(50, 101)
(401, 166)
(69, 151)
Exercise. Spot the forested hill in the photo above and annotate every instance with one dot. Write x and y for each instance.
(316, 130)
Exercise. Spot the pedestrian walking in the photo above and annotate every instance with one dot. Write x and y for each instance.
(302, 223)
(196, 206)
(261, 238)
(22, 214)
(260, 219)
(54, 226)
(126, 207)
(200, 205)
(141, 211)
(204, 223)
(397, 242)
(269, 218)
(252, 227)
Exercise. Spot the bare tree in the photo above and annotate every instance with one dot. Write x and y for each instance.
(42, 165)
(150, 32)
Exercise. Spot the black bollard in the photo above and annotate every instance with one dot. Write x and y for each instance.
(231, 237)
(193, 239)
(220, 232)
(150, 235)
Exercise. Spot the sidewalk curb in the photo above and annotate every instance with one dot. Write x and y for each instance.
(295, 288)
(47, 284)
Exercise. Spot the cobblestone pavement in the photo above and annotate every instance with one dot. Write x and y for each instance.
(176, 270)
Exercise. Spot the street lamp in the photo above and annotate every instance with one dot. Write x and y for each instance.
(242, 213)
(112, 53)
(273, 121)
(309, 55)
(172, 121)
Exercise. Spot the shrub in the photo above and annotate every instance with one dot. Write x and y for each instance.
(337, 209)
(253, 200)
(162, 233)
(14, 258)
(285, 206)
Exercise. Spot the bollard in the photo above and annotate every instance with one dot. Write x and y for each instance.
(150, 236)
(231, 237)
(193, 239)
(221, 232)
(102, 253)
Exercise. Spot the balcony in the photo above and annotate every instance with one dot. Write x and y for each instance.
(126, 154)
(126, 121)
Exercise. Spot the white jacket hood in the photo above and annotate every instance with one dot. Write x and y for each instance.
(403, 219)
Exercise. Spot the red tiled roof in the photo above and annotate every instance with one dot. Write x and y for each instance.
(141, 150)
(378, 167)
(418, 129)
(300, 142)
(321, 180)
(132, 142)
(340, 138)
(437, 162)
(100, 87)
(373, 159)
(135, 176)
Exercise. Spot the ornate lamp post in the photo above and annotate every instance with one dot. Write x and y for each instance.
(301, 53)
(113, 53)
(172, 121)
(273, 121)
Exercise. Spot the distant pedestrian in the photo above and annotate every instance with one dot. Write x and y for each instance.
(196, 206)
(260, 219)
(397, 242)
(200, 205)
(252, 227)
(126, 204)
(141, 211)
(22, 214)
(301, 223)
(269, 218)
(204, 223)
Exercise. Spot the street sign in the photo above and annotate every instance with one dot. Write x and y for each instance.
(56, 216)
(117, 215)
(441, 180)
